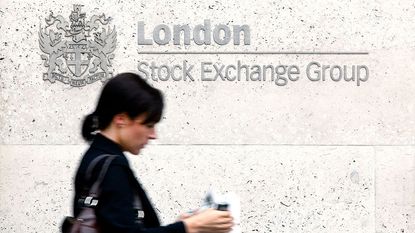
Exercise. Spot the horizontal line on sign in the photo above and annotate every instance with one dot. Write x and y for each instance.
(339, 145)
(241, 144)
(256, 53)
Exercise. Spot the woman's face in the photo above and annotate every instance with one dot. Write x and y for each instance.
(134, 135)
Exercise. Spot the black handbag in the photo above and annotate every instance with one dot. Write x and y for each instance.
(86, 221)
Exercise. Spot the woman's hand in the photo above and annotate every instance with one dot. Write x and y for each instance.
(183, 216)
(209, 220)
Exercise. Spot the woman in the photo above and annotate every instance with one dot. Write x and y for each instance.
(124, 120)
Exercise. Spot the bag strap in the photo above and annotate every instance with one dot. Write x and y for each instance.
(92, 165)
(94, 191)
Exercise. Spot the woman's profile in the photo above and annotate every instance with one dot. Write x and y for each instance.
(124, 121)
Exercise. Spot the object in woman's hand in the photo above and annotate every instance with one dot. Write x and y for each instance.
(222, 206)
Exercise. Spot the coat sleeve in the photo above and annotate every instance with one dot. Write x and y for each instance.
(115, 212)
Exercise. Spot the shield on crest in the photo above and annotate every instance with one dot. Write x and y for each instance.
(77, 58)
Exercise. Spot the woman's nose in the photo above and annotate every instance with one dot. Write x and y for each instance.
(152, 134)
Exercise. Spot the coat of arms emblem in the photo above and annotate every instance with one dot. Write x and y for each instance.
(79, 52)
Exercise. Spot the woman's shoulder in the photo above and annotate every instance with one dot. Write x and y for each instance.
(93, 160)
(93, 154)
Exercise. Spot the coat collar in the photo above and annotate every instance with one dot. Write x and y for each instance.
(108, 146)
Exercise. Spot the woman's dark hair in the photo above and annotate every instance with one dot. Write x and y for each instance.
(125, 93)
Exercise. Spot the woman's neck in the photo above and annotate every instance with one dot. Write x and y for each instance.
(110, 134)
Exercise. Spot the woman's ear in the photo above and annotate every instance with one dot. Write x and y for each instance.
(120, 120)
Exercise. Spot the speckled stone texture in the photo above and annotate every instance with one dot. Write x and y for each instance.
(380, 111)
(282, 188)
(305, 157)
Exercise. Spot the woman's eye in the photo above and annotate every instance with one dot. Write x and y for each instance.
(150, 125)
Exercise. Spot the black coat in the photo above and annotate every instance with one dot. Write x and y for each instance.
(115, 212)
